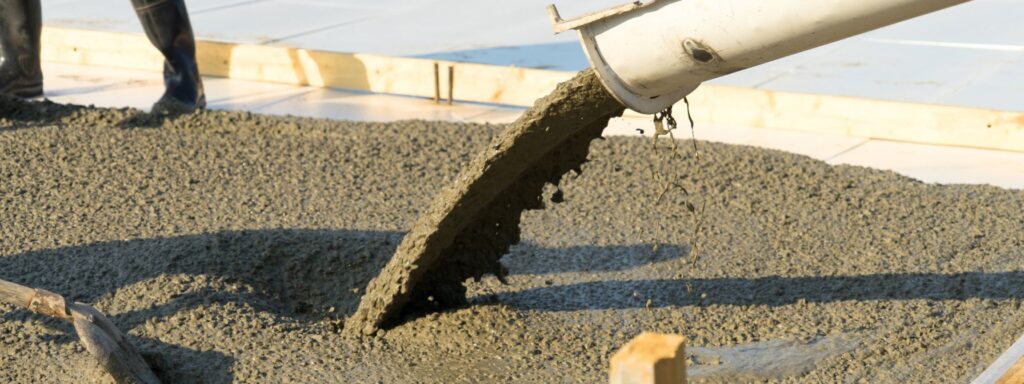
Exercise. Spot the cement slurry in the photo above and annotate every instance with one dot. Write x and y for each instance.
(232, 247)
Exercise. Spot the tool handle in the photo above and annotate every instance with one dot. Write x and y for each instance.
(16, 294)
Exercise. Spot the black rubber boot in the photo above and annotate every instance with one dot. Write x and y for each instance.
(168, 28)
(21, 23)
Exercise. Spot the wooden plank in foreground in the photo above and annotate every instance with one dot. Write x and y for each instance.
(650, 358)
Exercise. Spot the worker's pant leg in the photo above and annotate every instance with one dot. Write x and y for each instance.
(167, 25)
(20, 29)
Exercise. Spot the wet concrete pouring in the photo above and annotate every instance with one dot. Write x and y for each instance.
(471, 224)
(234, 247)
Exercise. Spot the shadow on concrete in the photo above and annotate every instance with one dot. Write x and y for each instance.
(526, 258)
(18, 113)
(770, 291)
(298, 275)
(307, 275)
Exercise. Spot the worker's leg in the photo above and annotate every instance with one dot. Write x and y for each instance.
(20, 26)
(168, 28)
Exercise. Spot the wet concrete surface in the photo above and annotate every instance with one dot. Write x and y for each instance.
(232, 247)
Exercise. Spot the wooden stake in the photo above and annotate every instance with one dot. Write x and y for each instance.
(451, 84)
(99, 336)
(650, 358)
(437, 83)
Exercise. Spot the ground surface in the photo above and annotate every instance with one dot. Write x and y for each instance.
(232, 247)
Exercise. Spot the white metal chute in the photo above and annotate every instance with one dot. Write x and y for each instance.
(651, 54)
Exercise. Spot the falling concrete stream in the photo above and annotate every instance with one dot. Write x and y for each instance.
(470, 225)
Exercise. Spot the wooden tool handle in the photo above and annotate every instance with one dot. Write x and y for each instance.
(15, 294)
(39, 301)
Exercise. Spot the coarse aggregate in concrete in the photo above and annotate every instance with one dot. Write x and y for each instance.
(233, 246)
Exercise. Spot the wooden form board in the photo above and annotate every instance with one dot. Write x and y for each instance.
(712, 104)
(280, 64)
(1015, 375)
(858, 117)
(1007, 369)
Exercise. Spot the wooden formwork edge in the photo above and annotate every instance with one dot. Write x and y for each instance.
(712, 104)
(1007, 369)
(288, 65)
